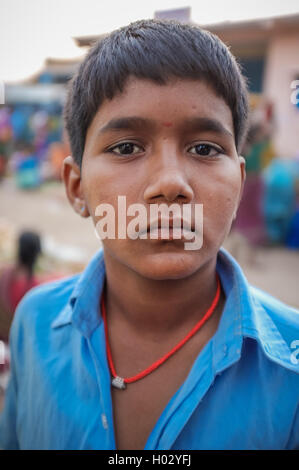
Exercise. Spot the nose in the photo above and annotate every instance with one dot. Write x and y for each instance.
(168, 180)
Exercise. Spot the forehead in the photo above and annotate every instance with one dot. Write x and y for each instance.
(172, 103)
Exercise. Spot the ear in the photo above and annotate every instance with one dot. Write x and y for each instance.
(243, 179)
(243, 174)
(71, 176)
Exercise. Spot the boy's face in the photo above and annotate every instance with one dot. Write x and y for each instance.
(180, 149)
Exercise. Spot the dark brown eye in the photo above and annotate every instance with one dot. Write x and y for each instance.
(204, 150)
(126, 148)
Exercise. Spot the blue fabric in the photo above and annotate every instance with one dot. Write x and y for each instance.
(241, 393)
(279, 198)
(292, 240)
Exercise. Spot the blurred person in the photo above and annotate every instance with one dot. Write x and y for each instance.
(57, 152)
(18, 279)
(55, 133)
(5, 138)
(262, 119)
(279, 201)
(250, 220)
(39, 123)
(249, 230)
(292, 237)
(4, 369)
(20, 120)
(26, 167)
(154, 346)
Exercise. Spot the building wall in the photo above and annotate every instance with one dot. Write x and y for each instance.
(282, 67)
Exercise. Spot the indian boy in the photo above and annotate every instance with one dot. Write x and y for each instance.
(155, 346)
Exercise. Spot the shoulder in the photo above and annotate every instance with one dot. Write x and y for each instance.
(278, 329)
(285, 317)
(50, 304)
(271, 323)
(42, 304)
(53, 292)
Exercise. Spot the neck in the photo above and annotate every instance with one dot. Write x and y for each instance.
(152, 307)
(24, 271)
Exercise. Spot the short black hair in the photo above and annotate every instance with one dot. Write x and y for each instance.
(159, 51)
(29, 247)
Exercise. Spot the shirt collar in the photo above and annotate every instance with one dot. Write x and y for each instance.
(243, 315)
(250, 319)
(83, 306)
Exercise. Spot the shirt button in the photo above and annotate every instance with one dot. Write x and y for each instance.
(225, 350)
(104, 421)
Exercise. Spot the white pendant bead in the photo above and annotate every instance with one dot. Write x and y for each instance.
(119, 383)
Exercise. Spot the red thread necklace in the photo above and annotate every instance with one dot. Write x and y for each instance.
(120, 382)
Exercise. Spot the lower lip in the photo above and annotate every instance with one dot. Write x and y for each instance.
(170, 234)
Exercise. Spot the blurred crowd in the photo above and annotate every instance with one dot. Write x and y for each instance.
(32, 143)
(32, 149)
(269, 209)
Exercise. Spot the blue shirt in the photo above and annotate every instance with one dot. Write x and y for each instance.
(241, 392)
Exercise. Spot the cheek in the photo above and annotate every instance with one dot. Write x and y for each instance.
(103, 184)
(99, 187)
(220, 200)
(103, 181)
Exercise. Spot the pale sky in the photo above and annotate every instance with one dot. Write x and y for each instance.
(32, 30)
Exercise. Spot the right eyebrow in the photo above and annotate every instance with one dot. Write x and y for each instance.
(126, 123)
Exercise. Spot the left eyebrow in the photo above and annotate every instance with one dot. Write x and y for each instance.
(206, 124)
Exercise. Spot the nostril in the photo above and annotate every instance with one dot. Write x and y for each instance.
(169, 187)
(175, 197)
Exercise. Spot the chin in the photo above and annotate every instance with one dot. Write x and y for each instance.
(168, 266)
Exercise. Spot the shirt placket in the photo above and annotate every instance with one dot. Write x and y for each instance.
(96, 344)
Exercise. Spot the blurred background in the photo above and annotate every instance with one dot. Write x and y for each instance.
(42, 44)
